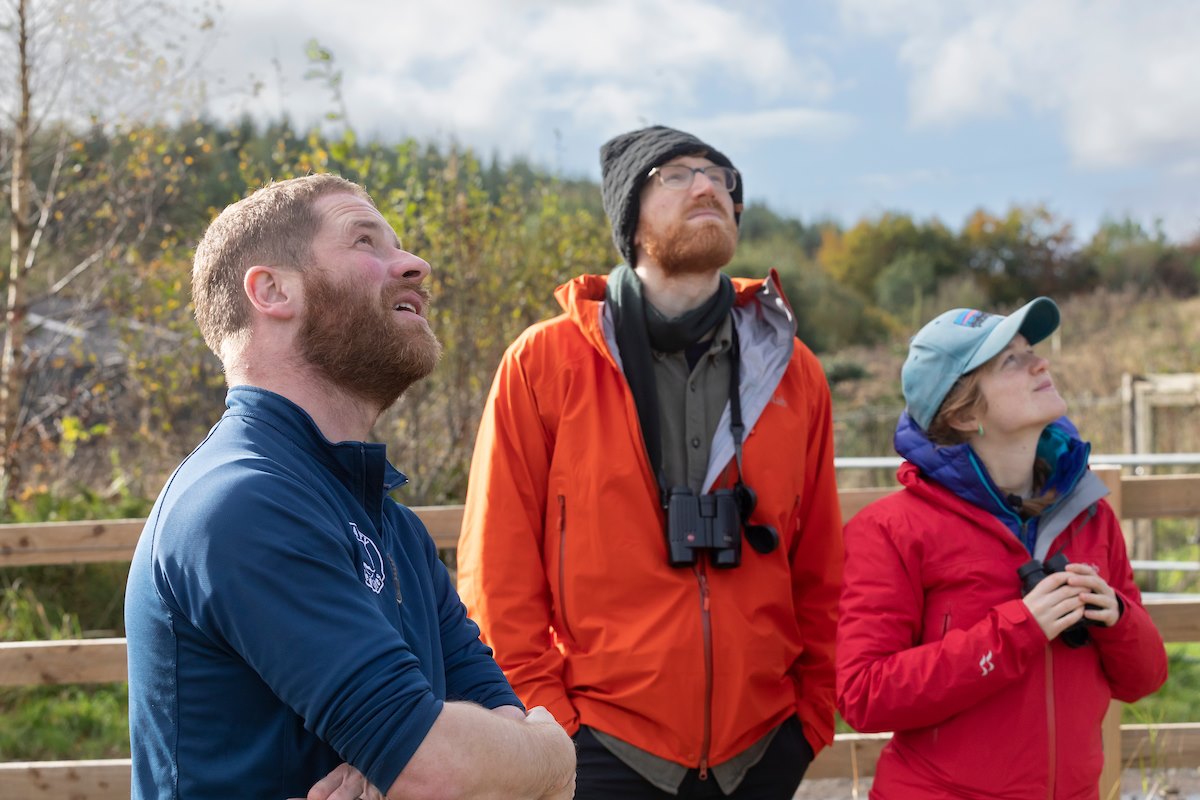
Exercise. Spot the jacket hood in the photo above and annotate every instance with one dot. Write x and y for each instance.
(959, 470)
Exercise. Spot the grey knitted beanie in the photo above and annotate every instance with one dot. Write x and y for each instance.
(624, 162)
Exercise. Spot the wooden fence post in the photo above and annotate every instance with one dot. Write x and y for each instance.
(1110, 731)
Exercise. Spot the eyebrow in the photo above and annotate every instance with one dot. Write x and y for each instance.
(373, 225)
(1013, 347)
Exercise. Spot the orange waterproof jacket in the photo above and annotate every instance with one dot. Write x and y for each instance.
(563, 561)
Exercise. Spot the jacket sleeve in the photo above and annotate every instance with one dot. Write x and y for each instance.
(471, 672)
(887, 679)
(1131, 652)
(501, 575)
(816, 563)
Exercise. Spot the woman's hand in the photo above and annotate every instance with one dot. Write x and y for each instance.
(1095, 592)
(1055, 603)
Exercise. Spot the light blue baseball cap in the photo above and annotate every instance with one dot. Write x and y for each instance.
(960, 340)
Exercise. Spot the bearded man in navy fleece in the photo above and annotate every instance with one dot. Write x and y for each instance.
(291, 630)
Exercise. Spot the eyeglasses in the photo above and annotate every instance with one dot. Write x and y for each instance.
(679, 177)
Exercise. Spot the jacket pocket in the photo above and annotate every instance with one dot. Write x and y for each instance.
(562, 568)
(791, 534)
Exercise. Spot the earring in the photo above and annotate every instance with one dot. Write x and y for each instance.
(981, 429)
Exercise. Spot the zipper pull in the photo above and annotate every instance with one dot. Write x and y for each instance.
(704, 769)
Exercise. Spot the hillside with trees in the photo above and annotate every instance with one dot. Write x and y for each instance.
(117, 385)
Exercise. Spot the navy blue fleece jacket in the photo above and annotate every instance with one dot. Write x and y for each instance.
(284, 615)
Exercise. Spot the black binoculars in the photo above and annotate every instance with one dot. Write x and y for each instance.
(1031, 574)
(714, 522)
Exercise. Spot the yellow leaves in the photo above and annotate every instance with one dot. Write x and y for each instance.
(72, 429)
(74, 432)
(30, 492)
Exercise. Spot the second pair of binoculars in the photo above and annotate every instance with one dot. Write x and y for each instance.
(714, 522)
(1033, 572)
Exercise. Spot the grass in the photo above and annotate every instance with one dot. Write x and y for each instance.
(52, 723)
(55, 722)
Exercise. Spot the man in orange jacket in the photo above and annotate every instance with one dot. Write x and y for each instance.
(652, 538)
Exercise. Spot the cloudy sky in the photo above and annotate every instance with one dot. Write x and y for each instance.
(830, 108)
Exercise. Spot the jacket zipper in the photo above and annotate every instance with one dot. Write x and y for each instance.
(1051, 723)
(706, 625)
(562, 565)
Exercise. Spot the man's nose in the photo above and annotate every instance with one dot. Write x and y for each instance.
(702, 184)
(409, 267)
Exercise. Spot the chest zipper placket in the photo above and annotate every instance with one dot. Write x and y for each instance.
(706, 627)
(1050, 722)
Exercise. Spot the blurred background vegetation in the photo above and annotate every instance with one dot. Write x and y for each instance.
(105, 383)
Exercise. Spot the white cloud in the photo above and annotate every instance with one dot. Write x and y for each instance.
(1119, 74)
(489, 72)
(898, 181)
(769, 124)
(1188, 168)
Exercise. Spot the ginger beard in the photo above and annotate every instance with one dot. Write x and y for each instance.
(705, 248)
(356, 342)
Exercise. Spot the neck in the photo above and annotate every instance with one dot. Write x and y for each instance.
(675, 295)
(339, 415)
(1010, 463)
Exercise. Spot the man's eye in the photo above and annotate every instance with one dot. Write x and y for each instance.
(364, 238)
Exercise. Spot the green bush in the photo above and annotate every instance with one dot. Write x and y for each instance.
(53, 723)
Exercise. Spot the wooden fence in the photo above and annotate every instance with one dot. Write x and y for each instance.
(103, 660)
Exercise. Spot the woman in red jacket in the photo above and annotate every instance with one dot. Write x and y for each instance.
(989, 612)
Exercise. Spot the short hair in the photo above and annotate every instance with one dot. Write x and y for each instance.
(274, 226)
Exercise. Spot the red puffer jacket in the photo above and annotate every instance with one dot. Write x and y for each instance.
(935, 644)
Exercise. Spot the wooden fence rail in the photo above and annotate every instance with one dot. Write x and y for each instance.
(103, 660)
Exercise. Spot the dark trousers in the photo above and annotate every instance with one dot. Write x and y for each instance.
(603, 776)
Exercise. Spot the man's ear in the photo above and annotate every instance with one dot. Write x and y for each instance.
(274, 292)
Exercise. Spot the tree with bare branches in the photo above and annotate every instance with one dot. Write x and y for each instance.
(90, 171)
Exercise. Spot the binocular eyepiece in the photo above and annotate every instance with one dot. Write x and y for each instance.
(716, 523)
(1032, 572)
